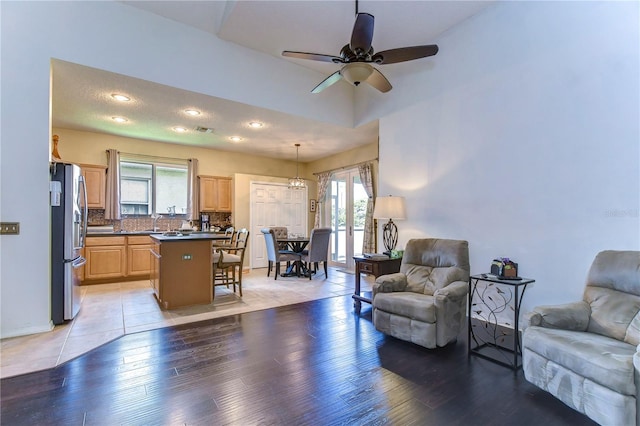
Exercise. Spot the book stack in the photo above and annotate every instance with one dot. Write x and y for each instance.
(375, 256)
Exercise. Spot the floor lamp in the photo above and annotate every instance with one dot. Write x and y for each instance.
(389, 208)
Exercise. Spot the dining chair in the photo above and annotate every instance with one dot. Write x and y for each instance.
(274, 254)
(281, 233)
(230, 238)
(318, 250)
(227, 260)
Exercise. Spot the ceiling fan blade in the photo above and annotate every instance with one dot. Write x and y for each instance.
(313, 56)
(403, 54)
(362, 34)
(333, 78)
(379, 81)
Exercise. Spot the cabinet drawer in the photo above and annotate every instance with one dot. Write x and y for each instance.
(139, 239)
(366, 267)
(105, 241)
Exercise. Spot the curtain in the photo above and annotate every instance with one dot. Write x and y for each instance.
(323, 184)
(192, 189)
(112, 207)
(366, 178)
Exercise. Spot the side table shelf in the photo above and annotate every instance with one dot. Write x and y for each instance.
(486, 338)
(375, 267)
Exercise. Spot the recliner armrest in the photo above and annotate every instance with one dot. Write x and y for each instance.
(455, 290)
(390, 283)
(571, 316)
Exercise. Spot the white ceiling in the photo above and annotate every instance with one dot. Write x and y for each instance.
(81, 101)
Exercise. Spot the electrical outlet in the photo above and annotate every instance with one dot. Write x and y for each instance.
(9, 228)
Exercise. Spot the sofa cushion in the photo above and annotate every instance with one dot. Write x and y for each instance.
(603, 360)
(411, 305)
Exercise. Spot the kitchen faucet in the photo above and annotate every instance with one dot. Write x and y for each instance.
(155, 220)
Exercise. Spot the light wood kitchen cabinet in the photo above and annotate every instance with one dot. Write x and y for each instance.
(215, 194)
(95, 178)
(138, 260)
(106, 258)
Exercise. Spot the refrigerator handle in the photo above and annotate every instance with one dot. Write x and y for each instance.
(79, 262)
(85, 210)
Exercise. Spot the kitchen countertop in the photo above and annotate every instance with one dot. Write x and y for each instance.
(193, 236)
(125, 233)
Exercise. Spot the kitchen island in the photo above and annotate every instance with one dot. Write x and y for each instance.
(181, 268)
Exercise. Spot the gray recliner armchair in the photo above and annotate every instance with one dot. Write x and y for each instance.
(587, 353)
(426, 302)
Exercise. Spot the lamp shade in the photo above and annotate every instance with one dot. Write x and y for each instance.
(356, 72)
(389, 207)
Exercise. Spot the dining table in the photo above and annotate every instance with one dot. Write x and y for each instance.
(296, 245)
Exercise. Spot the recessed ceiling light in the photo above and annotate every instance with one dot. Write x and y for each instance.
(121, 98)
(235, 138)
(180, 129)
(255, 124)
(192, 112)
(119, 119)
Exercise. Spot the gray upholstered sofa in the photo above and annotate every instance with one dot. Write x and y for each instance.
(587, 353)
(426, 302)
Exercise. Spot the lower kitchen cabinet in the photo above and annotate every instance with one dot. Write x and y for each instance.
(138, 260)
(116, 258)
(106, 258)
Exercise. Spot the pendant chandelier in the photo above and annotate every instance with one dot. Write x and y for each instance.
(297, 182)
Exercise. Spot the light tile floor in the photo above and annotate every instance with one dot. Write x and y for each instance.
(109, 311)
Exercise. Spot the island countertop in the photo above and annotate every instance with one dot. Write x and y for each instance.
(193, 236)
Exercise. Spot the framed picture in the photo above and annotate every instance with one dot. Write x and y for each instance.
(312, 205)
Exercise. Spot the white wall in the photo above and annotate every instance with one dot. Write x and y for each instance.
(523, 139)
(117, 38)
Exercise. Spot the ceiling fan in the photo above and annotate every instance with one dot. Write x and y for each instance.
(358, 56)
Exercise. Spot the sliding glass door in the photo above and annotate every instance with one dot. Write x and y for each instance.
(347, 207)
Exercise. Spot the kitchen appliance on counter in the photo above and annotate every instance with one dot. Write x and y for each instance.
(68, 231)
(205, 225)
(100, 229)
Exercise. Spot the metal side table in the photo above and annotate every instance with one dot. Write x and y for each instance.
(490, 302)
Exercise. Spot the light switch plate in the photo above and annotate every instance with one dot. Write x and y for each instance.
(9, 228)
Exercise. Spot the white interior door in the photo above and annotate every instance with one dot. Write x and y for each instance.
(274, 204)
(345, 212)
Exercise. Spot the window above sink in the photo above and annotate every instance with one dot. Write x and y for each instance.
(149, 185)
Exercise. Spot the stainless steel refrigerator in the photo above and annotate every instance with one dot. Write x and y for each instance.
(68, 231)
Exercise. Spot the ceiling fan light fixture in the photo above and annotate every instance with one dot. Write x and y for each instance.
(356, 72)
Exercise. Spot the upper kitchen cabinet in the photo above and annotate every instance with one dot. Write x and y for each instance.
(215, 194)
(95, 178)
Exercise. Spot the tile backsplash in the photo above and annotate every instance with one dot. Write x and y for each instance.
(96, 217)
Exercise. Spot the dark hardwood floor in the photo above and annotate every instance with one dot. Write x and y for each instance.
(315, 363)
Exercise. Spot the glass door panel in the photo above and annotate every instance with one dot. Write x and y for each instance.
(347, 208)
